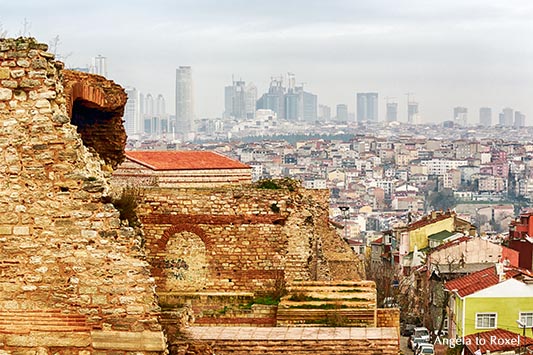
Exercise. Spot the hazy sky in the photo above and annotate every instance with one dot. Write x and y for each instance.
(448, 53)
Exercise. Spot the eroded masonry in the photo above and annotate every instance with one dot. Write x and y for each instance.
(71, 277)
(76, 279)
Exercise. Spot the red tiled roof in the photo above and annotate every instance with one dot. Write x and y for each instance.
(495, 340)
(378, 241)
(478, 281)
(183, 160)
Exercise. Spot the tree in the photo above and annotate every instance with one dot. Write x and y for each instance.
(442, 200)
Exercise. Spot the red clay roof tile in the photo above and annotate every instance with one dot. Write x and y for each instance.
(495, 340)
(478, 281)
(183, 160)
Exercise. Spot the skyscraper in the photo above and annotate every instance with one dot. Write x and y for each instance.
(519, 119)
(274, 99)
(342, 113)
(250, 97)
(367, 107)
(412, 112)
(485, 116)
(460, 115)
(235, 100)
(99, 65)
(132, 112)
(506, 117)
(184, 100)
(392, 111)
(308, 106)
(324, 113)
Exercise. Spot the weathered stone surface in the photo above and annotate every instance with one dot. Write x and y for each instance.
(61, 276)
(195, 244)
(96, 106)
(5, 94)
(128, 341)
(4, 73)
(49, 339)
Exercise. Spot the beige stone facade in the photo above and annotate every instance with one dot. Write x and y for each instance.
(70, 273)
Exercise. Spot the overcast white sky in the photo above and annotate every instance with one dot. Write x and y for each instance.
(448, 53)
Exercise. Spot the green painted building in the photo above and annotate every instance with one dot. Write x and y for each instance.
(493, 298)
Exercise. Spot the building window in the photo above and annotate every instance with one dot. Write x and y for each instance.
(527, 319)
(485, 320)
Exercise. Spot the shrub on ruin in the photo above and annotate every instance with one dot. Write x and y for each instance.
(127, 202)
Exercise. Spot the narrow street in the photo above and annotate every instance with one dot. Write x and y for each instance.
(403, 345)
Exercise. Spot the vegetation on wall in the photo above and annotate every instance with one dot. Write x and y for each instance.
(126, 203)
(278, 184)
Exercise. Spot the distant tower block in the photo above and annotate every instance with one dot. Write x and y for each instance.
(99, 65)
(460, 115)
(184, 100)
(392, 110)
(342, 113)
(485, 116)
(367, 107)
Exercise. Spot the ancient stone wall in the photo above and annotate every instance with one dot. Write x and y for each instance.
(238, 239)
(72, 278)
(388, 317)
(294, 341)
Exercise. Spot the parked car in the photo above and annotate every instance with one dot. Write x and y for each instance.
(414, 342)
(407, 329)
(425, 349)
(420, 335)
(421, 332)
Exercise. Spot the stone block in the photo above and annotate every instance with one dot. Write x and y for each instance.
(5, 94)
(128, 341)
(4, 73)
(21, 230)
(6, 230)
(49, 339)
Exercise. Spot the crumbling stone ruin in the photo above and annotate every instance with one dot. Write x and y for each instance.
(72, 278)
(76, 279)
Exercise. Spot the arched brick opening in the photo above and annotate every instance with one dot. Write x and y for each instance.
(96, 106)
(180, 260)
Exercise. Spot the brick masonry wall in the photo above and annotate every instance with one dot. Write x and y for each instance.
(65, 259)
(388, 317)
(239, 239)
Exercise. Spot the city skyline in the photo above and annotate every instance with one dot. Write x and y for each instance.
(454, 53)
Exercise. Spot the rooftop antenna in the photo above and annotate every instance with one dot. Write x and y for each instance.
(25, 28)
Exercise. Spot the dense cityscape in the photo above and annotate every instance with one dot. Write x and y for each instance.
(242, 178)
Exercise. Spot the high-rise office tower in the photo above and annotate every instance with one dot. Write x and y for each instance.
(308, 106)
(160, 106)
(250, 97)
(519, 119)
(132, 112)
(235, 100)
(274, 99)
(149, 105)
(412, 112)
(99, 65)
(300, 105)
(485, 116)
(324, 113)
(184, 100)
(392, 111)
(341, 113)
(367, 107)
(506, 117)
(460, 115)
